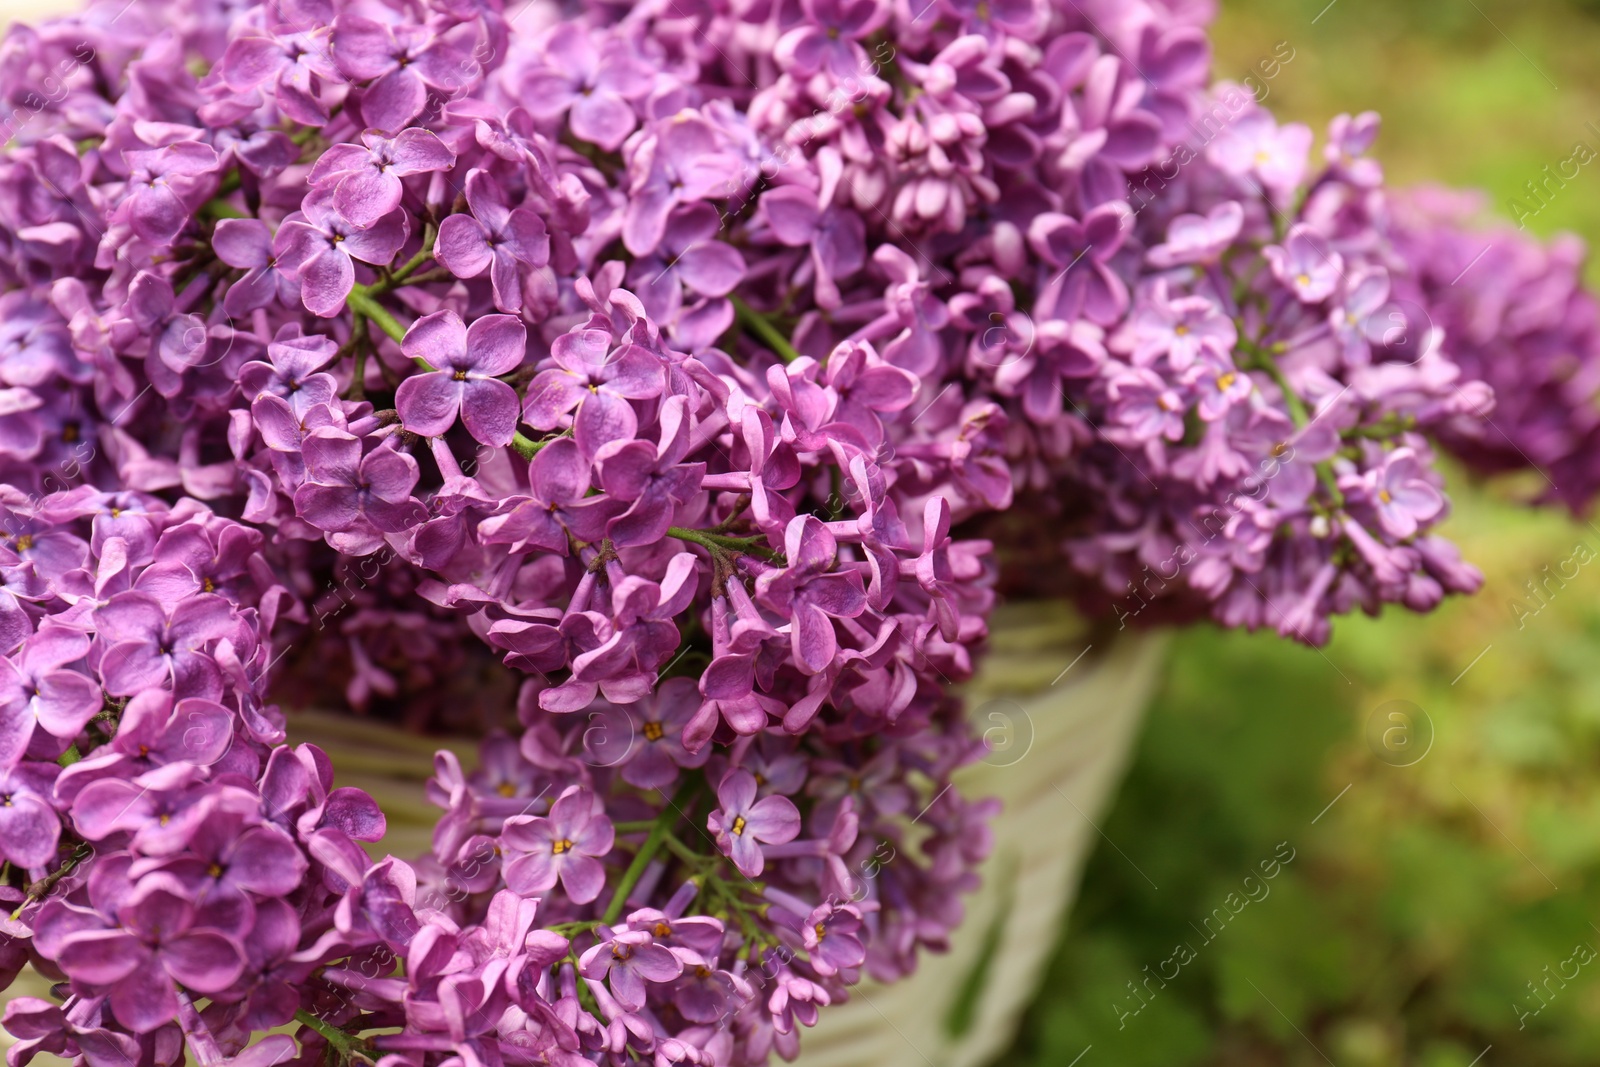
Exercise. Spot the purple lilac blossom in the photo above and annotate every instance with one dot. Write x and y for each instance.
(640, 390)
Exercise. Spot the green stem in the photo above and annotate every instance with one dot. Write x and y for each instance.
(362, 302)
(39, 889)
(688, 855)
(527, 448)
(415, 263)
(359, 344)
(1297, 406)
(363, 299)
(221, 209)
(716, 542)
(764, 329)
(647, 851)
(348, 1045)
(69, 757)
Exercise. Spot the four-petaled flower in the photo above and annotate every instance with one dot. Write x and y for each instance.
(567, 845)
(1083, 283)
(140, 948)
(247, 245)
(464, 383)
(400, 64)
(741, 824)
(40, 691)
(494, 238)
(597, 379)
(626, 960)
(320, 244)
(594, 85)
(161, 182)
(365, 178)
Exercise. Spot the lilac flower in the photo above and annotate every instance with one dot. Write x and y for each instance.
(827, 40)
(34, 343)
(1198, 238)
(652, 481)
(691, 257)
(645, 739)
(987, 267)
(227, 862)
(1084, 285)
(153, 645)
(831, 937)
(1403, 496)
(626, 960)
(29, 825)
(161, 816)
(494, 238)
(593, 83)
(1219, 386)
(365, 178)
(742, 824)
(319, 245)
(21, 431)
(247, 245)
(160, 184)
(467, 362)
(400, 63)
(1356, 324)
(1255, 146)
(1349, 140)
(558, 503)
(356, 498)
(1306, 265)
(294, 372)
(598, 380)
(811, 593)
(568, 845)
(1014, 18)
(1143, 404)
(1180, 330)
(146, 945)
(801, 218)
(868, 389)
(297, 64)
(37, 692)
(683, 160)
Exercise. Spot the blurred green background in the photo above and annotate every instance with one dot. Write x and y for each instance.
(1433, 916)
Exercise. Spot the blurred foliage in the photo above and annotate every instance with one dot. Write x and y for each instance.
(1479, 93)
(1432, 909)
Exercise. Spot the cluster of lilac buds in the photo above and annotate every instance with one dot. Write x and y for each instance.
(636, 386)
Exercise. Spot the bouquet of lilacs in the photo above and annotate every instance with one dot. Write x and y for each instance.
(656, 380)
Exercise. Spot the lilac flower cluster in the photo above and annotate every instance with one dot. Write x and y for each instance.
(1263, 409)
(653, 371)
(1519, 318)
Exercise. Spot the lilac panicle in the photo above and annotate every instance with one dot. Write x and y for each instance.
(664, 395)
